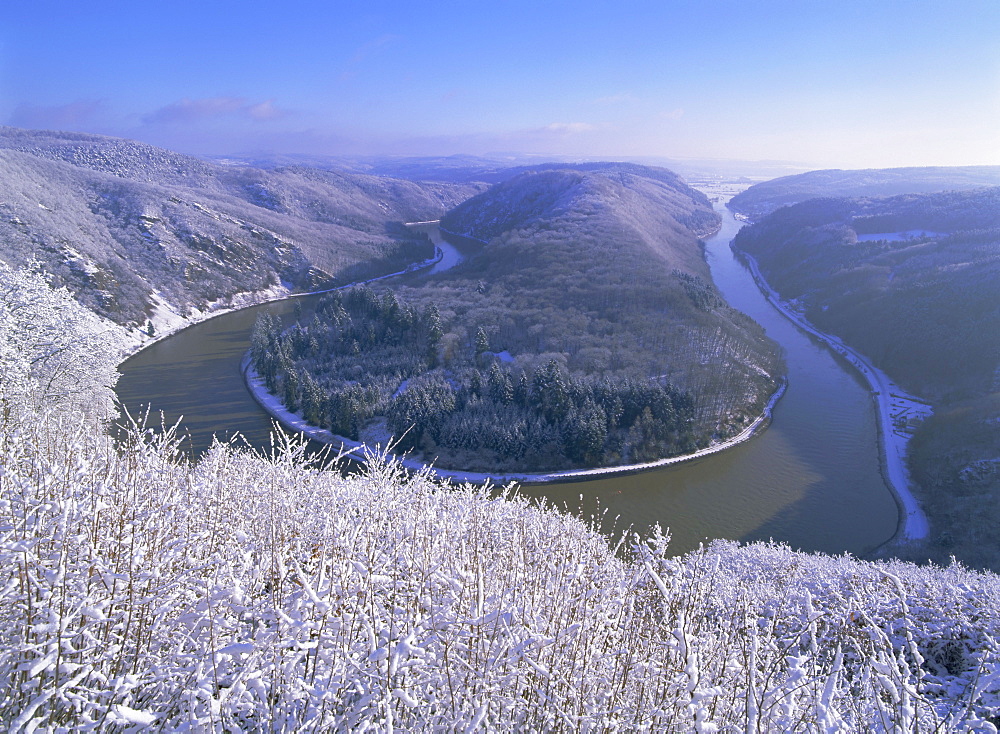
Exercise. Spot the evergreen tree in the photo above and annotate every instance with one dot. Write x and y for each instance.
(482, 341)
(549, 393)
(501, 388)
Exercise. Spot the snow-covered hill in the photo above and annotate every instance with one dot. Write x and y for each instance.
(761, 199)
(138, 232)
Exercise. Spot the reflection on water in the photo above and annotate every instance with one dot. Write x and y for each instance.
(812, 479)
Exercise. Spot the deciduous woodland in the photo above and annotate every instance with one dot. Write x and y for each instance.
(584, 332)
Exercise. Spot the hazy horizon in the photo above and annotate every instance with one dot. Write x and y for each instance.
(856, 85)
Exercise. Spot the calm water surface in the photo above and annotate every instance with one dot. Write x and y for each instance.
(812, 479)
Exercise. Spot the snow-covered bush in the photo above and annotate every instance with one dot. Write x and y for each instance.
(55, 354)
(253, 593)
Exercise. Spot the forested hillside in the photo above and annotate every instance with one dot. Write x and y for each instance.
(251, 593)
(911, 282)
(761, 199)
(584, 330)
(135, 231)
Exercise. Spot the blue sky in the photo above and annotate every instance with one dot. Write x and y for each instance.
(830, 84)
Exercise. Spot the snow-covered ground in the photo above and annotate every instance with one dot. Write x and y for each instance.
(897, 412)
(139, 592)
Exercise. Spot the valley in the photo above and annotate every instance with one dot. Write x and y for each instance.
(837, 262)
(529, 222)
(812, 478)
(598, 283)
(583, 332)
(500, 367)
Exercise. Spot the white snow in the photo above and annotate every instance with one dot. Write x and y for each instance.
(132, 716)
(166, 318)
(253, 593)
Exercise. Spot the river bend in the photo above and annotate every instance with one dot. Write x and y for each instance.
(812, 479)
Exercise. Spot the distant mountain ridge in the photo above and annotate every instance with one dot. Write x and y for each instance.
(497, 167)
(761, 199)
(131, 228)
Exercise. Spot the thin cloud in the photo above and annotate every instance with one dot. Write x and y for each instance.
(265, 111)
(365, 52)
(187, 111)
(568, 128)
(672, 114)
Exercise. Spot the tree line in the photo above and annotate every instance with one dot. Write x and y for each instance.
(365, 356)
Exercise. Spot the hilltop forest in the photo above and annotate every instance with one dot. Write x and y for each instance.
(911, 282)
(583, 330)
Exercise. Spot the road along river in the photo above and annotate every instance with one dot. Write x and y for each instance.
(812, 479)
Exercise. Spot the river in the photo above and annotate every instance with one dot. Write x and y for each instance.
(812, 479)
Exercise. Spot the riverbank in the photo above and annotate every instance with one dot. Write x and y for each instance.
(896, 411)
(175, 323)
(811, 479)
(361, 452)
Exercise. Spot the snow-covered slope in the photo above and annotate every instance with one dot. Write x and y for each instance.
(761, 199)
(130, 228)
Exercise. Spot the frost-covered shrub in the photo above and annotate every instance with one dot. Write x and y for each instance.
(251, 593)
(55, 354)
